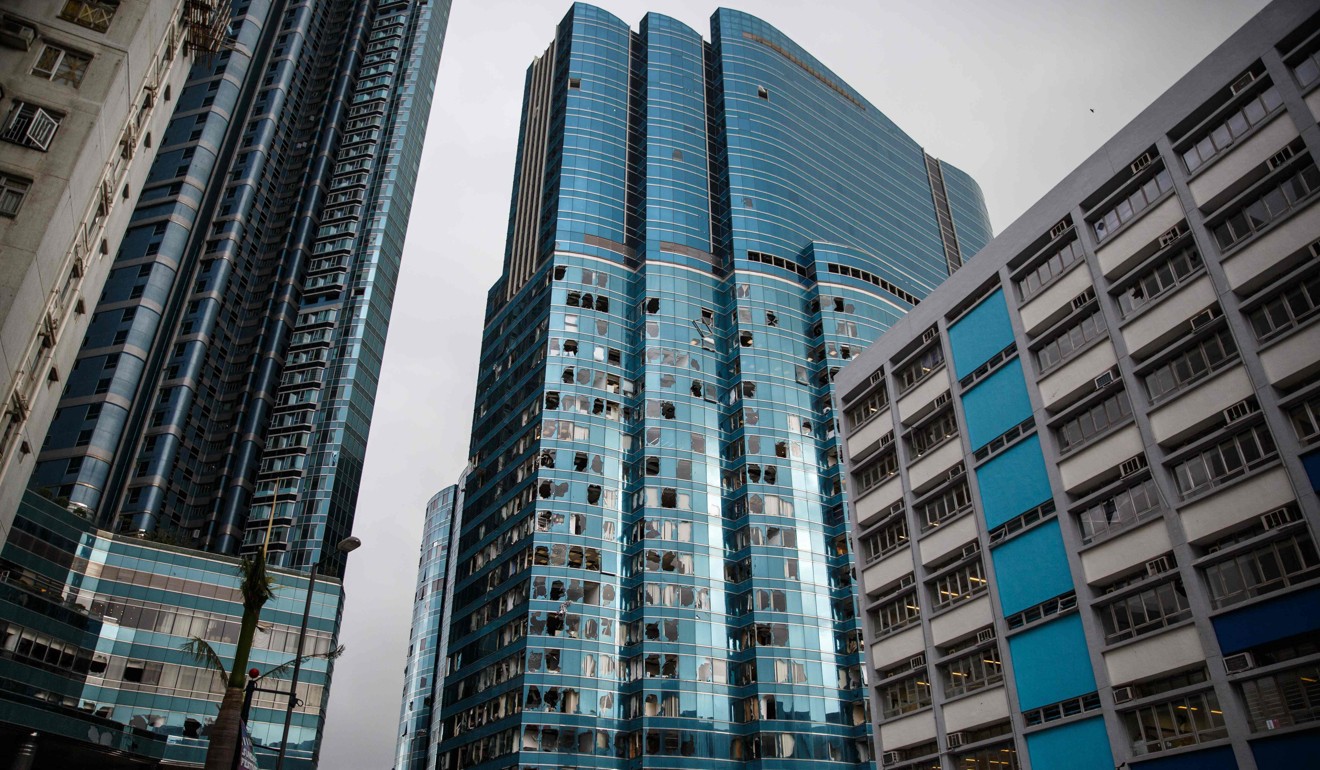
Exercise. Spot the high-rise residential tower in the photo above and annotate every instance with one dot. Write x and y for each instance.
(224, 389)
(423, 673)
(1084, 471)
(227, 379)
(653, 565)
(86, 92)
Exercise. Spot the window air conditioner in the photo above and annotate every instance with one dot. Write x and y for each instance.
(1238, 411)
(1104, 379)
(1236, 664)
(1059, 229)
(1202, 318)
(1171, 235)
(929, 334)
(1159, 566)
(1081, 299)
(15, 34)
(917, 661)
(1132, 465)
(1141, 162)
(955, 740)
(891, 758)
(1124, 694)
(1241, 83)
(985, 635)
(1278, 518)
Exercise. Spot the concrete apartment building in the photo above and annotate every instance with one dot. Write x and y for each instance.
(1083, 471)
(85, 92)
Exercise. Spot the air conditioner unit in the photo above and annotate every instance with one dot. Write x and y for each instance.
(942, 399)
(15, 34)
(1202, 318)
(1132, 465)
(917, 661)
(971, 549)
(1315, 249)
(906, 581)
(1103, 380)
(929, 334)
(1124, 694)
(1171, 235)
(1242, 82)
(1279, 158)
(1081, 299)
(985, 635)
(955, 740)
(1142, 161)
(887, 439)
(1236, 664)
(956, 471)
(1242, 409)
(1159, 566)
(1059, 229)
(1278, 518)
(891, 758)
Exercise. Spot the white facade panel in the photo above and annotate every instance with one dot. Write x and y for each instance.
(1117, 255)
(1242, 501)
(1100, 457)
(1126, 551)
(960, 621)
(1149, 657)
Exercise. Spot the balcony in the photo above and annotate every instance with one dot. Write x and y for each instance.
(944, 540)
(1250, 266)
(1126, 551)
(914, 728)
(1293, 358)
(1077, 376)
(1237, 503)
(1099, 457)
(1166, 319)
(961, 621)
(1192, 410)
(921, 399)
(1155, 655)
(1053, 302)
(1119, 254)
(1237, 162)
(866, 440)
(872, 505)
(985, 706)
(935, 465)
(889, 651)
(887, 571)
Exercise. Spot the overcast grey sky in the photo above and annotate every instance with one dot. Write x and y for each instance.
(1004, 90)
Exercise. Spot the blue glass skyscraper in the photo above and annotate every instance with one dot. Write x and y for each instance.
(426, 641)
(653, 568)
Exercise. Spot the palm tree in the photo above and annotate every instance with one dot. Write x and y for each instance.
(257, 587)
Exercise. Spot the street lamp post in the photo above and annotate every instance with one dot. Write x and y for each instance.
(346, 545)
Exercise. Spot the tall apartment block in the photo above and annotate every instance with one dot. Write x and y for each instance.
(424, 672)
(653, 568)
(86, 93)
(1084, 470)
(224, 388)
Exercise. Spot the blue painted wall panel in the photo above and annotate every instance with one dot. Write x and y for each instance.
(1031, 568)
(996, 404)
(1050, 663)
(1013, 482)
(1282, 753)
(1312, 464)
(980, 334)
(1077, 746)
(1210, 759)
(1269, 621)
